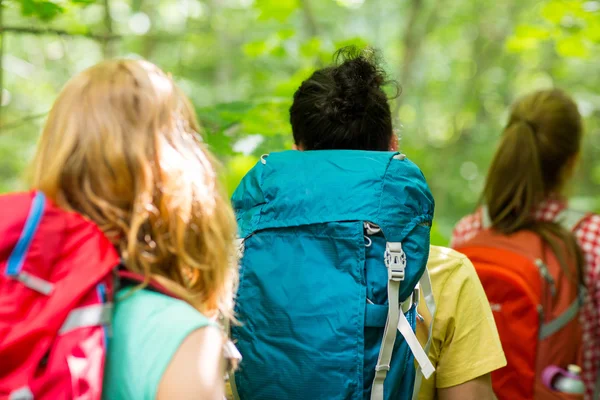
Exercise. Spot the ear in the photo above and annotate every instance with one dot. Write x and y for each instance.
(394, 143)
(298, 147)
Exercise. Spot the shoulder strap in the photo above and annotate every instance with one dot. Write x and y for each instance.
(570, 219)
(486, 222)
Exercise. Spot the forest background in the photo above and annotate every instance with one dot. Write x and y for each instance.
(460, 64)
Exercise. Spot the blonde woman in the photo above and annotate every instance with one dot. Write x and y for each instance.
(121, 148)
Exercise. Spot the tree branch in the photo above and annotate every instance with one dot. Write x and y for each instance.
(59, 32)
(107, 46)
(309, 18)
(413, 39)
(22, 121)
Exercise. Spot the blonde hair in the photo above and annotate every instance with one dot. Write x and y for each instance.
(121, 147)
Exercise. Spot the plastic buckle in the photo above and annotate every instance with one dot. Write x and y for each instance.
(382, 368)
(395, 261)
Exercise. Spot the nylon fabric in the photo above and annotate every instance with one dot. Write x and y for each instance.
(387, 344)
(307, 330)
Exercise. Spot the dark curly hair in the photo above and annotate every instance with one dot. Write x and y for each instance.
(344, 106)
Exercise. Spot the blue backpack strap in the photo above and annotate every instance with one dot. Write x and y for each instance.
(16, 259)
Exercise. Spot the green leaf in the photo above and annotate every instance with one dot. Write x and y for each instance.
(533, 32)
(221, 116)
(276, 9)
(44, 10)
(516, 44)
(572, 46)
(256, 49)
(311, 47)
(554, 11)
(286, 89)
(237, 167)
(285, 34)
(355, 41)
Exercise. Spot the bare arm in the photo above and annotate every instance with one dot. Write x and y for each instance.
(196, 370)
(477, 389)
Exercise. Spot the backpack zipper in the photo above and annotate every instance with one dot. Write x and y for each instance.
(543, 268)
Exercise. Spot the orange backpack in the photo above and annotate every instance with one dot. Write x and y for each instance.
(535, 306)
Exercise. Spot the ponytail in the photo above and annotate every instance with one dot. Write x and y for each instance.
(541, 138)
(514, 185)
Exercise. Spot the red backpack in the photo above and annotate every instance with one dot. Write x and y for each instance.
(535, 306)
(56, 290)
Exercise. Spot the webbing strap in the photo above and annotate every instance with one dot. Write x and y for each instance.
(486, 222)
(387, 342)
(406, 330)
(569, 219)
(550, 328)
(82, 317)
(34, 283)
(23, 393)
(425, 284)
(376, 314)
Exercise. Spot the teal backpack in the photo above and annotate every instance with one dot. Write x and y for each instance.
(327, 237)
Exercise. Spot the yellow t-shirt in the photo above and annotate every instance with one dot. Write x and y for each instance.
(465, 341)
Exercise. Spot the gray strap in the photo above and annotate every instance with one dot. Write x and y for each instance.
(569, 219)
(23, 393)
(550, 328)
(387, 342)
(425, 283)
(486, 221)
(34, 283)
(395, 262)
(82, 317)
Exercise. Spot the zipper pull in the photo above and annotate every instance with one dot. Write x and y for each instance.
(371, 228)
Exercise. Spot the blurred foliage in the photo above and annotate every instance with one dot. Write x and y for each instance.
(460, 64)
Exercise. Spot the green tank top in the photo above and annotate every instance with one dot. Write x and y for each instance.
(147, 330)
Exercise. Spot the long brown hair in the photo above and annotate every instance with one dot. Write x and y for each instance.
(121, 147)
(539, 144)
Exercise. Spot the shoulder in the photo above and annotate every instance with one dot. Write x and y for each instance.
(466, 228)
(145, 305)
(466, 342)
(148, 329)
(196, 369)
(444, 263)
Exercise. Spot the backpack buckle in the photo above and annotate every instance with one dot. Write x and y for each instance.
(395, 261)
